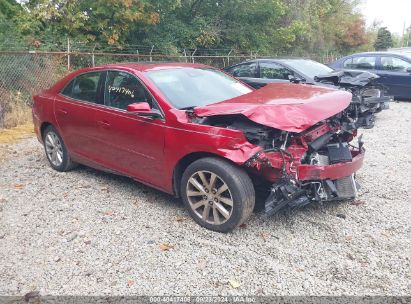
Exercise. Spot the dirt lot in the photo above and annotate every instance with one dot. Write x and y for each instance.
(90, 233)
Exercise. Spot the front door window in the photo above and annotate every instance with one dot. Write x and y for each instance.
(123, 89)
(244, 70)
(270, 70)
(361, 63)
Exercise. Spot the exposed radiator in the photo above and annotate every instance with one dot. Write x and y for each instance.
(346, 187)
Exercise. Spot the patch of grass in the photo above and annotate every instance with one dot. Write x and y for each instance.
(12, 135)
(19, 114)
(14, 109)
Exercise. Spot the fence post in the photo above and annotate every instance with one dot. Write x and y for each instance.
(151, 58)
(138, 56)
(92, 57)
(192, 55)
(68, 54)
(185, 55)
(228, 58)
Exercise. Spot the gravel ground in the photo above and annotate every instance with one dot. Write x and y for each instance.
(91, 233)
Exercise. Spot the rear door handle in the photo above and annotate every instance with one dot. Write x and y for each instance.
(103, 124)
(61, 111)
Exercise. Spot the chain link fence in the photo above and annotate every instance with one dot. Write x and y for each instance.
(26, 73)
(21, 76)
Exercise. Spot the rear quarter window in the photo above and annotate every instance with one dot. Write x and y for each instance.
(68, 89)
(84, 87)
(394, 64)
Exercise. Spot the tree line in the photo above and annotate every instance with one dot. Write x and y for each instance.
(267, 26)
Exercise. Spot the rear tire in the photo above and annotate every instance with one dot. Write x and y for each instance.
(56, 151)
(218, 195)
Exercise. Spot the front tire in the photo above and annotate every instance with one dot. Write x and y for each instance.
(56, 151)
(218, 195)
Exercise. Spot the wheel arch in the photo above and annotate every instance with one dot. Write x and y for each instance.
(43, 127)
(185, 161)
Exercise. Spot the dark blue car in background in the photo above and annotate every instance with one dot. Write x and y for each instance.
(394, 70)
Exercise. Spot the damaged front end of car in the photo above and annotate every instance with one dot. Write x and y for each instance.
(368, 98)
(316, 165)
(301, 143)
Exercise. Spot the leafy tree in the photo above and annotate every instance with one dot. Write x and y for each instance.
(106, 21)
(9, 34)
(327, 25)
(237, 24)
(353, 34)
(384, 39)
(295, 27)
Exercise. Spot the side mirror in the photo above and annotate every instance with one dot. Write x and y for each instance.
(142, 109)
(294, 79)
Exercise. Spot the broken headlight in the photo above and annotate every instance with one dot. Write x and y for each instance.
(371, 93)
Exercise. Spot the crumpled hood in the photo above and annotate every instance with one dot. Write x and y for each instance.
(284, 106)
(348, 78)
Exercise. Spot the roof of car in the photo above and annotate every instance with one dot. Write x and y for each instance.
(379, 53)
(150, 66)
(280, 59)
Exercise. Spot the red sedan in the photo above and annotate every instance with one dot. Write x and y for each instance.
(193, 131)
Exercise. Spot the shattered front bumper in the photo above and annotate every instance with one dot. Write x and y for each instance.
(378, 103)
(315, 183)
(332, 172)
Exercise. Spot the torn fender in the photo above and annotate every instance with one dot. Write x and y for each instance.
(240, 154)
(284, 106)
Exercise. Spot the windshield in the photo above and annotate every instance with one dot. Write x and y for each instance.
(309, 67)
(192, 87)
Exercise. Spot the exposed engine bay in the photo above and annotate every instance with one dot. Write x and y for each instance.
(368, 97)
(293, 162)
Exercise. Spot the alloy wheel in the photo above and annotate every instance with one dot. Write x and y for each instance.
(54, 148)
(209, 197)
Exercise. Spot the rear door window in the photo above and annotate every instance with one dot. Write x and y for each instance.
(394, 64)
(84, 87)
(245, 70)
(361, 63)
